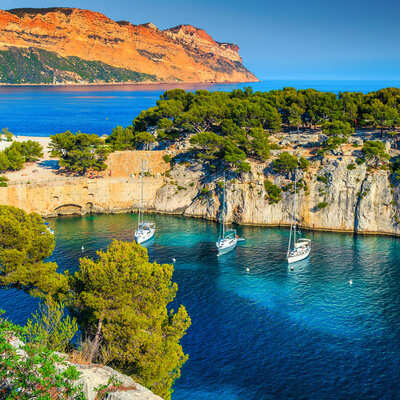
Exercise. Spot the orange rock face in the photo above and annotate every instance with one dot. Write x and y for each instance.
(183, 53)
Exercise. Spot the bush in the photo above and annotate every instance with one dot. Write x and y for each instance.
(167, 158)
(351, 166)
(273, 192)
(79, 152)
(51, 327)
(205, 190)
(30, 150)
(3, 181)
(323, 179)
(374, 150)
(322, 205)
(285, 163)
(37, 376)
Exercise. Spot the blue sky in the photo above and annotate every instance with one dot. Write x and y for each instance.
(287, 39)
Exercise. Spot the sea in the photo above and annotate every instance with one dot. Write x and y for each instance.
(329, 329)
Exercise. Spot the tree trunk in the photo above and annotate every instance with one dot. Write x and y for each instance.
(96, 341)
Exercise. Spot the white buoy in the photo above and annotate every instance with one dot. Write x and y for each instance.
(248, 269)
(350, 282)
(291, 268)
(82, 248)
(174, 259)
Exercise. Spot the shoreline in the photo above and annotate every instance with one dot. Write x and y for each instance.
(256, 225)
(144, 83)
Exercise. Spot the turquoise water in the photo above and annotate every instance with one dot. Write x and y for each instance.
(269, 333)
(43, 111)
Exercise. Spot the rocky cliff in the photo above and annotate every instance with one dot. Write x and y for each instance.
(348, 198)
(183, 53)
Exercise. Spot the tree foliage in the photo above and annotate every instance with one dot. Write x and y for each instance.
(51, 326)
(25, 243)
(123, 298)
(79, 152)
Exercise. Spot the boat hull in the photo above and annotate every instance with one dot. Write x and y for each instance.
(226, 248)
(298, 257)
(141, 237)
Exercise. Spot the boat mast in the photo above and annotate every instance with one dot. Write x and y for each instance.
(141, 198)
(223, 210)
(295, 205)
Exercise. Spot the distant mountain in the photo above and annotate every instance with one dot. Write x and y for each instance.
(74, 45)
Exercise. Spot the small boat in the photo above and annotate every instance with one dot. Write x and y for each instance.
(227, 240)
(298, 249)
(145, 230)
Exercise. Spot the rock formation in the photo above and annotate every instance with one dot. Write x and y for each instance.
(353, 199)
(183, 53)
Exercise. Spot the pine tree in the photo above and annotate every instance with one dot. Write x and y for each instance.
(122, 300)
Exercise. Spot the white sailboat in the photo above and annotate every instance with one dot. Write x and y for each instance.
(145, 230)
(228, 239)
(298, 249)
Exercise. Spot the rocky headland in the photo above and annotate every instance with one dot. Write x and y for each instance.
(70, 45)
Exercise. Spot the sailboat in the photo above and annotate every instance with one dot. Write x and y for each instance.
(228, 239)
(145, 230)
(298, 249)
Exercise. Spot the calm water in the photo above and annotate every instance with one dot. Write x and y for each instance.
(269, 333)
(43, 111)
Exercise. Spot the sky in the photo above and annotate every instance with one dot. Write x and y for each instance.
(278, 39)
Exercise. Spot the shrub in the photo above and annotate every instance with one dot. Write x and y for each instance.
(3, 181)
(37, 376)
(285, 163)
(205, 190)
(323, 179)
(167, 158)
(273, 192)
(51, 327)
(351, 166)
(322, 205)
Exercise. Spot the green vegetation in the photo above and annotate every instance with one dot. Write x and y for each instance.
(338, 132)
(167, 158)
(287, 162)
(34, 65)
(322, 205)
(374, 152)
(125, 297)
(274, 192)
(80, 152)
(323, 179)
(7, 134)
(121, 302)
(37, 376)
(51, 327)
(351, 166)
(3, 181)
(14, 156)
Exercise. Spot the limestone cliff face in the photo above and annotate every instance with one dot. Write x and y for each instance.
(183, 53)
(353, 200)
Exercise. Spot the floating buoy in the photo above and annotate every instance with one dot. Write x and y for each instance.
(174, 259)
(82, 248)
(248, 269)
(350, 282)
(291, 268)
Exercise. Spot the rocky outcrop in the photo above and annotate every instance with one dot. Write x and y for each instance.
(183, 53)
(94, 377)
